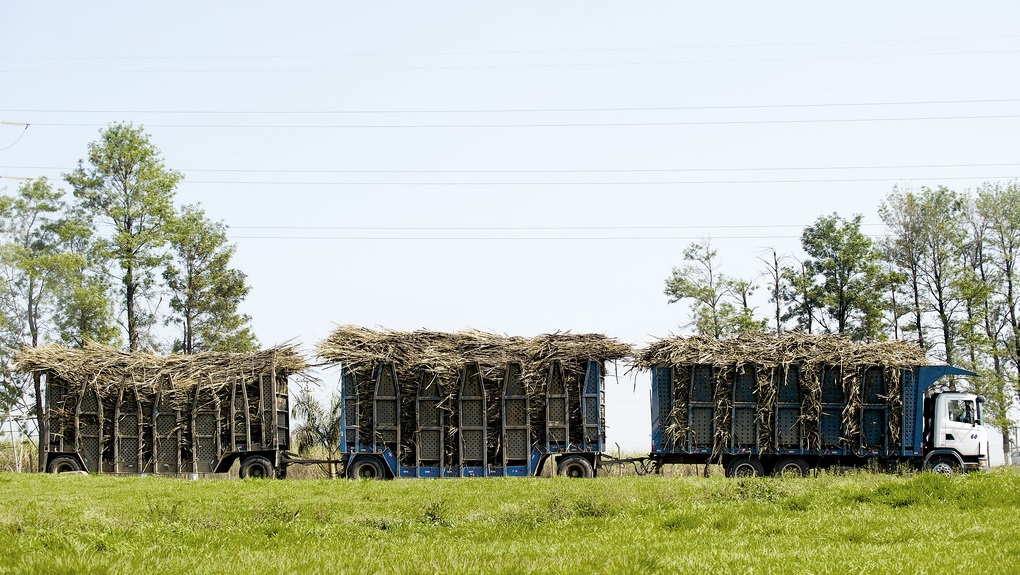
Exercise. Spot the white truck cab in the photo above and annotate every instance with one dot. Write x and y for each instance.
(957, 438)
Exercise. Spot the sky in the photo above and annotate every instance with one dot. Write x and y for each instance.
(521, 168)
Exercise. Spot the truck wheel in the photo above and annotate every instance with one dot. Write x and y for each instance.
(367, 468)
(745, 467)
(575, 466)
(63, 465)
(256, 467)
(943, 466)
(791, 467)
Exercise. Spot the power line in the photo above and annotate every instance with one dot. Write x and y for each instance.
(516, 238)
(542, 125)
(578, 183)
(523, 110)
(566, 171)
(527, 228)
(627, 183)
(20, 135)
(513, 52)
(503, 66)
(505, 239)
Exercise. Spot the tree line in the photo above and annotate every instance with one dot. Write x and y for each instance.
(113, 262)
(944, 276)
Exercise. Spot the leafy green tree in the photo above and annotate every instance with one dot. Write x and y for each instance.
(742, 319)
(719, 303)
(943, 236)
(894, 295)
(31, 264)
(999, 208)
(125, 184)
(13, 386)
(849, 281)
(974, 285)
(84, 310)
(981, 324)
(957, 255)
(797, 287)
(205, 290)
(905, 249)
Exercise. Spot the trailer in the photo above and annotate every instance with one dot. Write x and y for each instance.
(115, 412)
(787, 406)
(436, 405)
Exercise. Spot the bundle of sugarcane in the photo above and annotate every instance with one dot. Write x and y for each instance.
(772, 359)
(110, 370)
(417, 356)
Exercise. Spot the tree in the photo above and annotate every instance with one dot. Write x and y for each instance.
(905, 249)
(981, 327)
(714, 295)
(205, 291)
(742, 320)
(84, 311)
(895, 281)
(999, 208)
(943, 237)
(321, 426)
(849, 280)
(798, 289)
(31, 263)
(125, 184)
(974, 285)
(775, 275)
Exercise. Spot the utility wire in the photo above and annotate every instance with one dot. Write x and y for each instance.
(502, 66)
(544, 125)
(516, 238)
(521, 110)
(513, 52)
(594, 171)
(627, 183)
(527, 228)
(18, 139)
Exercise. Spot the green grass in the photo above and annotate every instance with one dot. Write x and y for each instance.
(829, 524)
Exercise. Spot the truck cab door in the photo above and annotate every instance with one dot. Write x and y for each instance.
(958, 425)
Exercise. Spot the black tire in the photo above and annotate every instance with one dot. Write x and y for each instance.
(943, 465)
(64, 465)
(257, 467)
(791, 467)
(575, 466)
(366, 468)
(745, 467)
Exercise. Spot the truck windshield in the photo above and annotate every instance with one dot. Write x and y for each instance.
(961, 410)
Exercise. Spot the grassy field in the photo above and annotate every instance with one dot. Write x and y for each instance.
(829, 524)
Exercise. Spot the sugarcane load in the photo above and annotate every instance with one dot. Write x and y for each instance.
(478, 404)
(432, 404)
(111, 411)
(763, 404)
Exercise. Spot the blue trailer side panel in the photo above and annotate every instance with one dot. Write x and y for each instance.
(874, 418)
(348, 411)
(591, 408)
(662, 404)
(589, 397)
